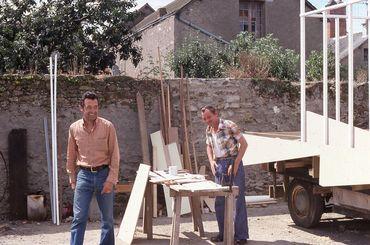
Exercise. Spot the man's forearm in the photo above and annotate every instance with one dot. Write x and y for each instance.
(209, 153)
(242, 149)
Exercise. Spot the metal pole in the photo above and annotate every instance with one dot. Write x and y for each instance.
(47, 147)
(336, 6)
(52, 135)
(325, 78)
(340, 16)
(303, 72)
(350, 76)
(55, 142)
(337, 71)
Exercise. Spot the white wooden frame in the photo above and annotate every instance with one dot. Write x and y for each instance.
(323, 13)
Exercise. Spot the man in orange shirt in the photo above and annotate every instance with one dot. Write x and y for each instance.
(93, 149)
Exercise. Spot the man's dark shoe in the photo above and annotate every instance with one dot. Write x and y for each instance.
(217, 239)
(242, 241)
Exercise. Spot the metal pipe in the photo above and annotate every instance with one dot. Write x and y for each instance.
(350, 76)
(332, 7)
(340, 16)
(52, 133)
(303, 71)
(48, 160)
(337, 71)
(55, 142)
(325, 78)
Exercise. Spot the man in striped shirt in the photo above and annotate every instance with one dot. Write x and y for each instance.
(226, 145)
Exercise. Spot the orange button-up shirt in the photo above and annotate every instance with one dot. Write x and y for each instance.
(93, 148)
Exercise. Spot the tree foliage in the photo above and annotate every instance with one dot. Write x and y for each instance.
(88, 34)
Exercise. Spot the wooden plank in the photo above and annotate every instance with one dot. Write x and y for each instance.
(360, 187)
(316, 167)
(281, 150)
(176, 220)
(210, 202)
(280, 135)
(129, 221)
(223, 191)
(229, 224)
(186, 151)
(168, 97)
(173, 134)
(155, 195)
(163, 99)
(351, 198)
(340, 165)
(17, 155)
(148, 212)
(191, 126)
(197, 216)
(143, 129)
(262, 199)
(162, 164)
(176, 161)
(322, 190)
(123, 188)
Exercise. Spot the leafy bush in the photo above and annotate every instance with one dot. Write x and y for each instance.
(283, 62)
(249, 66)
(314, 65)
(199, 59)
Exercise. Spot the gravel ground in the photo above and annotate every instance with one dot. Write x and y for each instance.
(267, 225)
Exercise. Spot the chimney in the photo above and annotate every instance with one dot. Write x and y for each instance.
(162, 12)
(342, 22)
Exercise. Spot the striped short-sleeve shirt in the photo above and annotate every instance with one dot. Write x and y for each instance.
(224, 142)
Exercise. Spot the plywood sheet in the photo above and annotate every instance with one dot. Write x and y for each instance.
(129, 221)
(340, 165)
(265, 149)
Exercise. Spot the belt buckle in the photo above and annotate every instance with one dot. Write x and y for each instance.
(92, 171)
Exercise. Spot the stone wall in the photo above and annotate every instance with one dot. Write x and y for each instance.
(253, 105)
(25, 102)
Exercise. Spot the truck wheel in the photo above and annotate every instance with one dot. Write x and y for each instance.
(305, 208)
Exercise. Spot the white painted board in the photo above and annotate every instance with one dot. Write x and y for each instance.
(340, 165)
(129, 221)
(265, 149)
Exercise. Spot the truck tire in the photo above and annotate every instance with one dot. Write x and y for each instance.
(305, 208)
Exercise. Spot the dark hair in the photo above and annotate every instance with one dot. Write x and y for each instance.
(210, 108)
(88, 95)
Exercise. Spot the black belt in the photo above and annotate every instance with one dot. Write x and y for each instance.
(225, 158)
(94, 169)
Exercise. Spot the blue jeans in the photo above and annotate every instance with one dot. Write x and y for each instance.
(87, 184)
(240, 212)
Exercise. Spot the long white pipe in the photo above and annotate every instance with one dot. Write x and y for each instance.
(336, 6)
(340, 16)
(52, 134)
(337, 71)
(55, 142)
(350, 76)
(325, 78)
(48, 160)
(303, 72)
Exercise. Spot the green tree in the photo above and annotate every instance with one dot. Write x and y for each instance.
(86, 33)
(202, 59)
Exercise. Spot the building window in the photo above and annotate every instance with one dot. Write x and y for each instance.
(366, 55)
(250, 17)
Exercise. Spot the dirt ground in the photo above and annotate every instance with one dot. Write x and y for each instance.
(267, 225)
